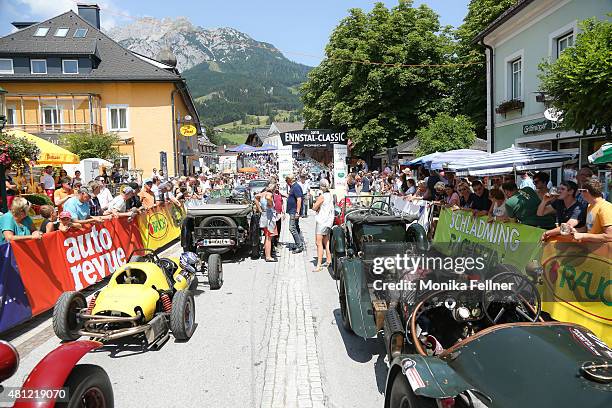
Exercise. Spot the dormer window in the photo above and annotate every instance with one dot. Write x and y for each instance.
(70, 66)
(80, 33)
(41, 31)
(38, 66)
(61, 32)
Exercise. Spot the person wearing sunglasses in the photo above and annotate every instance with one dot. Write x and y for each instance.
(569, 212)
(599, 214)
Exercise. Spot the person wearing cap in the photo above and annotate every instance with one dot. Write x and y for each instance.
(294, 206)
(118, 207)
(66, 224)
(134, 203)
(147, 196)
(78, 206)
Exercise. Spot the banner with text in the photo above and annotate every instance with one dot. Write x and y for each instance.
(313, 138)
(160, 225)
(340, 170)
(62, 262)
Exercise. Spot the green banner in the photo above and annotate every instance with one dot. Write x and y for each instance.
(460, 233)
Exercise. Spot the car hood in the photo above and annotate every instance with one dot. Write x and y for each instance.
(535, 365)
(127, 299)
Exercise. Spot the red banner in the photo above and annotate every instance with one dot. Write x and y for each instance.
(72, 261)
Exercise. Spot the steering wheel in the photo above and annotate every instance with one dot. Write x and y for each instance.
(521, 297)
(381, 210)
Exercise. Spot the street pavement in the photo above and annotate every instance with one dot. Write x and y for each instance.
(270, 337)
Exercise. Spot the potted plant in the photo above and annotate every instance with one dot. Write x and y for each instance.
(509, 105)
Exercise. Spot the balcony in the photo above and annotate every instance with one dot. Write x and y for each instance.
(50, 115)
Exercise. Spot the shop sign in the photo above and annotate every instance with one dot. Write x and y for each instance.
(538, 127)
(313, 138)
(188, 130)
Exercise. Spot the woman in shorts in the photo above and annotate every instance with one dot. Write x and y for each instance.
(324, 206)
(264, 202)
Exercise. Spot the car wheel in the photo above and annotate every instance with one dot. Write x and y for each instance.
(182, 316)
(215, 271)
(221, 222)
(402, 395)
(66, 324)
(88, 386)
(343, 307)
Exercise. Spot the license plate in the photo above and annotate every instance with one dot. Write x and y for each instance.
(215, 242)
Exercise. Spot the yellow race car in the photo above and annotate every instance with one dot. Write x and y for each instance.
(148, 296)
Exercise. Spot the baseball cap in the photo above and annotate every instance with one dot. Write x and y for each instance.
(128, 190)
(148, 180)
(65, 214)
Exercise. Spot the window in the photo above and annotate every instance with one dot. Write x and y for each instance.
(117, 117)
(61, 32)
(11, 115)
(6, 66)
(564, 42)
(70, 66)
(38, 66)
(80, 32)
(516, 78)
(52, 117)
(41, 31)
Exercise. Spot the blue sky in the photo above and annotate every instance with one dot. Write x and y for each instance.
(298, 28)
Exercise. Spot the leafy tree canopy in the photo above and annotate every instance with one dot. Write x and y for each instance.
(470, 90)
(445, 133)
(87, 145)
(579, 81)
(381, 105)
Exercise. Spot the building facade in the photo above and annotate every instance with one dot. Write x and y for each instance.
(64, 75)
(516, 43)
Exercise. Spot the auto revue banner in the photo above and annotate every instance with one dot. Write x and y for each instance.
(62, 262)
(160, 225)
(512, 244)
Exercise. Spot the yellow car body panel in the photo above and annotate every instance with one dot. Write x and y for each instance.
(127, 298)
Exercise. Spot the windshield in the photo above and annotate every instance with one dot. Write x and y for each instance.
(395, 232)
(258, 183)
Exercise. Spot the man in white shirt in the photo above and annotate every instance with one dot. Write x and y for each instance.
(204, 184)
(305, 185)
(118, 205)
(104, 196)
(46, 179)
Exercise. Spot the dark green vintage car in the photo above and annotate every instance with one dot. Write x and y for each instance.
(452, 347)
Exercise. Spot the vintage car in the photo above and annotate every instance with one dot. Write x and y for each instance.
(147, 297)
(455, 347)
(219, 228)
(57, 380)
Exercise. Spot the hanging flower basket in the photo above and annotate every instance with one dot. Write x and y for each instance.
(508, 106)
(17, 152)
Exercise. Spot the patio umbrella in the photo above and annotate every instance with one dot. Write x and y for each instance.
(421, 160)
(247, 170)
(50, 154)
(442, 159)
(267, 147)
(510, 160)
(603, 155)
(241, 148)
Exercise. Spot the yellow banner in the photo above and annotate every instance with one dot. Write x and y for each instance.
(160, 225)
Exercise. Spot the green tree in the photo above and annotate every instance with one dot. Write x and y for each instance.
(470, 89)
(380, 105)
(445, 133)
(579, 81)
(87, 145)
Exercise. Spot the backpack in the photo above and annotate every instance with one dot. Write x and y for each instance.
(278, 203)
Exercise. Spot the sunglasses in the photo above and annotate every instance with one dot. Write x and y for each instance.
(582, 190)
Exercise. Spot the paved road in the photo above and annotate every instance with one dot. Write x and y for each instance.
(270, 337)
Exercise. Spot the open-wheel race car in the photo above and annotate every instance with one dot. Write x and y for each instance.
(57, 380)
(484, 344)
(218, 228)
(147, 297)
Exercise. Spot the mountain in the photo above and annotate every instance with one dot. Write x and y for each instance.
(229, 73)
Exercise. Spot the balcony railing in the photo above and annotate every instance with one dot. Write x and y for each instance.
(50, 114)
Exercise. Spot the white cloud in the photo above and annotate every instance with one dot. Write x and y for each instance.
(110, 14)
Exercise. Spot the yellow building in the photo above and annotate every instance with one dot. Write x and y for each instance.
(64, 75)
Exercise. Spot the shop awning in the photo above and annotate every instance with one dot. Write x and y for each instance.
(603, 155)
(440, 160)
(510, 160)
(50, 154)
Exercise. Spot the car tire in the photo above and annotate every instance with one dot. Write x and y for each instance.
(222, 221)
(215, 271)
(182, 316)
(343, 307)
(88, 386)
(65, 322)
(402, 396)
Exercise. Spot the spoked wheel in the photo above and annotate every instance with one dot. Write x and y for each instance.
(66, 324)
(88, 387)
(343, 307)
(402, 395)
(215, 271)
(182, 316)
